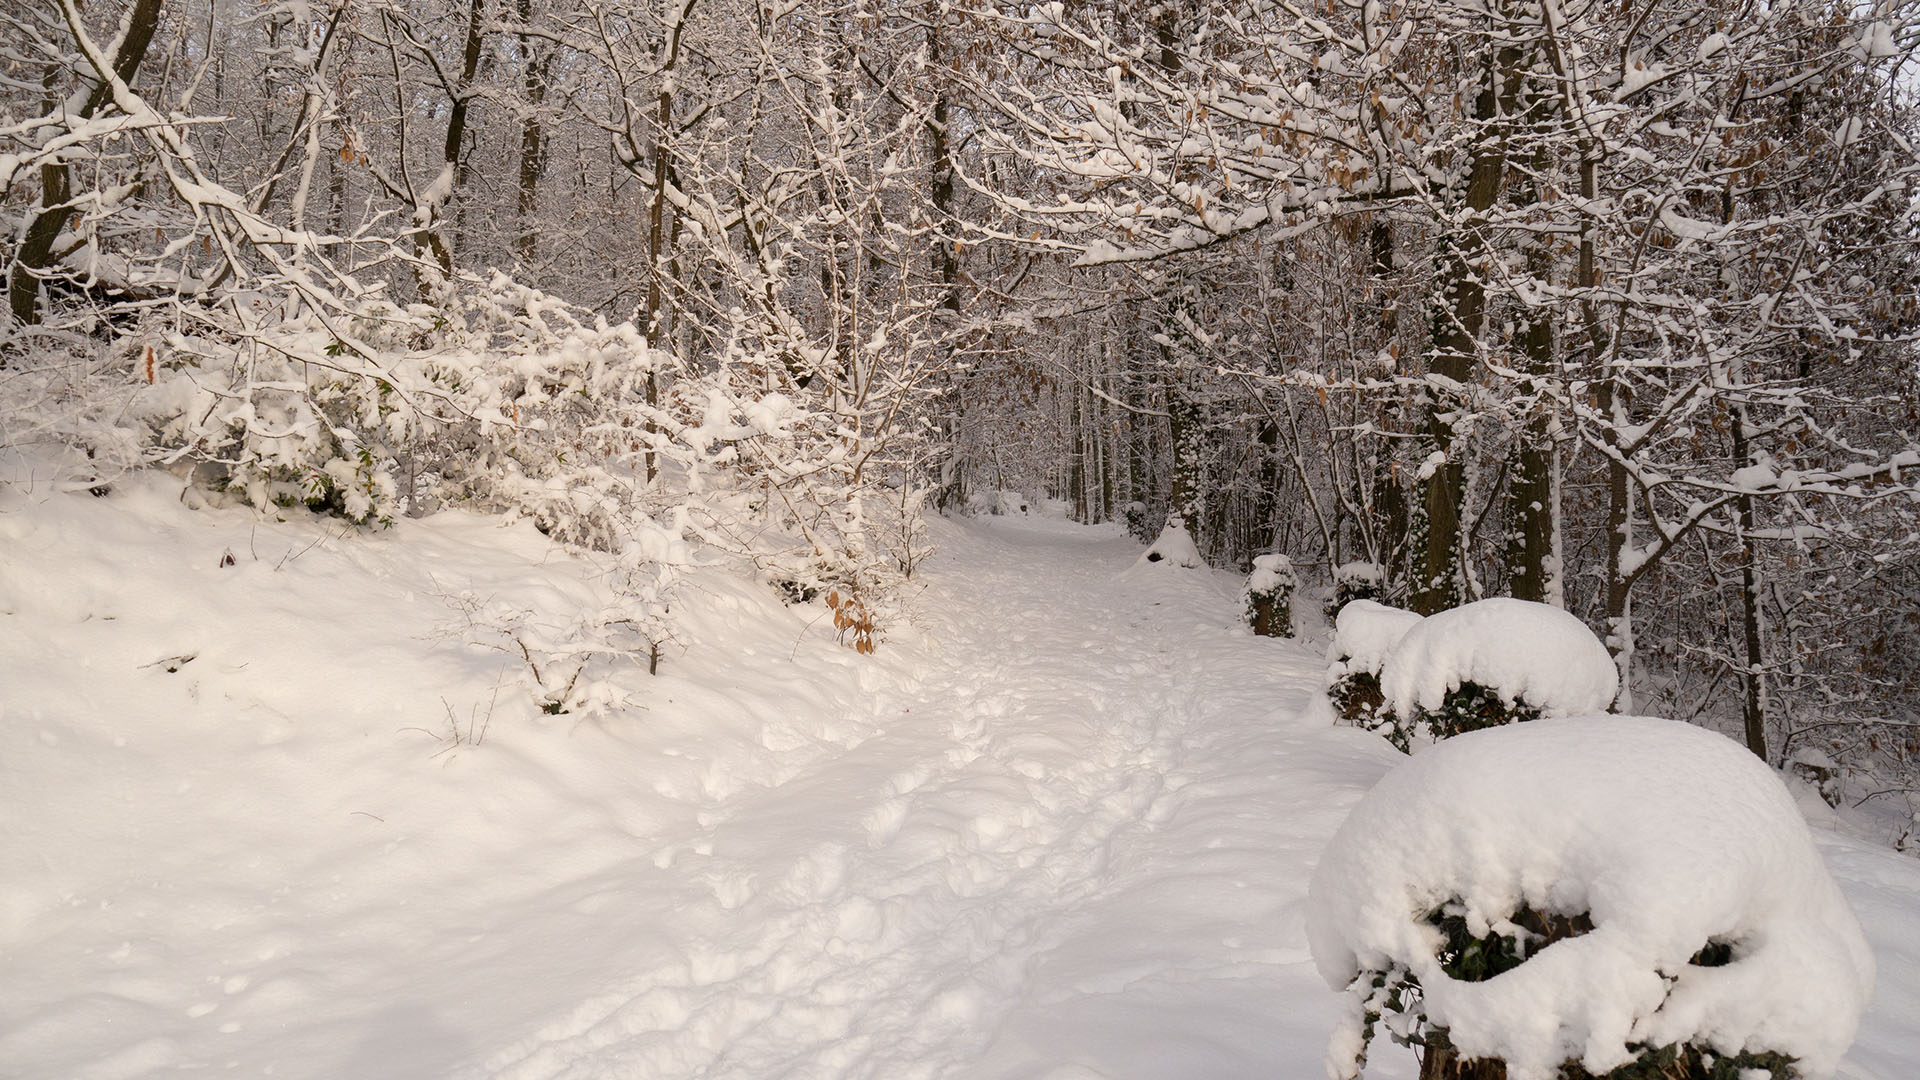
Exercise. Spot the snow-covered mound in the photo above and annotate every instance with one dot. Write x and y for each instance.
(1174, 547)
(1515, 648)
(1671, 837)
(1367, 631)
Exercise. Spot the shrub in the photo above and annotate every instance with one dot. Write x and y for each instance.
(1471, 707)
(1587, 898)
(1493, 662)
(1364, 634)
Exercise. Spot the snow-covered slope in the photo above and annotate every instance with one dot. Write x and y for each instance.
(1060, 827)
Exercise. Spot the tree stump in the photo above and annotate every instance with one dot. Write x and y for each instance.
(1269, 596)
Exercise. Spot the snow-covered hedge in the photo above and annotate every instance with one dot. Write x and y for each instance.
(1492, 662)
(1479, 665)
(1592, 891)
(1363, 634)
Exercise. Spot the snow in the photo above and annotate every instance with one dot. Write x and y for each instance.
(1366, 631)
(1060, 826)
(1671, 836)
(998, 502)
(1358, 570)
(1516, 648)
(1040, 831)
(1877, 42)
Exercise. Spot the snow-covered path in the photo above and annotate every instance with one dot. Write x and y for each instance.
(1058, 829)
(1072, 844)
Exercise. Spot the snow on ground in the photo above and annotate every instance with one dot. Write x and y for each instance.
(1060, 828)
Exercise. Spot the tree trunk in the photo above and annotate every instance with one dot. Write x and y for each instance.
(1621, 573)
(656, 218)
(1533, 492)
(1753, 709)
(428, 218)
(533, 140)
(1443, 1063)
(1460, 311)
(56, 191)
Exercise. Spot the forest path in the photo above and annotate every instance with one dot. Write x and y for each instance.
(1071, 841)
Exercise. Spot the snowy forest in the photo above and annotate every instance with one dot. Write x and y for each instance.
(1608, 308)
(1612, 307)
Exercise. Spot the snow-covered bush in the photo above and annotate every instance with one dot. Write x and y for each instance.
(495, 397)
(1135, 515)
(1494, 662)
(1267, 599)
(1578, 896)
(1173, 547)
(498, 398)
(1354, 581)
(823, 508)
(1363, 635)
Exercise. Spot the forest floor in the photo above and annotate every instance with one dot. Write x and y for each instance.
(291, 817)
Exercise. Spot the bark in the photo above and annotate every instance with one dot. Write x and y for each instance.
(1077, 458)
(1620, 574)
(1184, 495)
(1444, 1063)
(1611, 399)
(939, 133)
(1262, 535)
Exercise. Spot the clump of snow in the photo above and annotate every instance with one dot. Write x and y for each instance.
(1516, 648)
(1174, 547)
(1669, 836)
(1367, 631)
(1270, 572)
